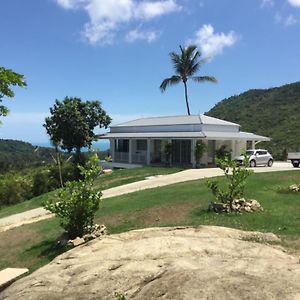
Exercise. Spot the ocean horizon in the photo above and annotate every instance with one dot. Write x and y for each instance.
(102, 145)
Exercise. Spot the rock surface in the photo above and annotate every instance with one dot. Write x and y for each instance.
(238, 206)
(207, 262)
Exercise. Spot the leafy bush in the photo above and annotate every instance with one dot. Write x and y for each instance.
(199, 151)
(222, 152)
(78, 201)
(236, 177)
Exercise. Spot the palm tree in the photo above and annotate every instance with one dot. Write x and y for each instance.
(186, 64)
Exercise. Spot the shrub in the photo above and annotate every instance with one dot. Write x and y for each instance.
(78, 202)
(199, 151)
(236, 177)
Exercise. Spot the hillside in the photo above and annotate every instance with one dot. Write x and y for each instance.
(18, 154)
(273, 112)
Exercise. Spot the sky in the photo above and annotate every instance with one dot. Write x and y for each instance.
(117, 51)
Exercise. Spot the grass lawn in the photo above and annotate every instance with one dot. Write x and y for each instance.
(180, 204)
(116, 178)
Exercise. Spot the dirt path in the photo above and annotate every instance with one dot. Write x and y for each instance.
(39, 214)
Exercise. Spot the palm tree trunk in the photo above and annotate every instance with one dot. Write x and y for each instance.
(186, 98)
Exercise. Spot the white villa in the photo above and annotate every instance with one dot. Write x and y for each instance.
(142, 141)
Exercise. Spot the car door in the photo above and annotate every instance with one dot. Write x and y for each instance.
(262, 158)
(259, 157)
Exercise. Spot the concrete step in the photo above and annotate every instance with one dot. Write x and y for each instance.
(9, 275)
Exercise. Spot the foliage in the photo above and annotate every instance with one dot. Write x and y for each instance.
(236, 179)
(199, 150)
(8, 79)
(271, 112)
(78, 201)
(168, 152)
(16, 155)
(72, 123)
(222, 152)
(108, 158)
(186, 65)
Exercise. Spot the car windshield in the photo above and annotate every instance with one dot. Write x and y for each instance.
(249, 152)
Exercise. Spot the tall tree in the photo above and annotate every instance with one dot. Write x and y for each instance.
(8, 79)
(186, 65)
(72, 123)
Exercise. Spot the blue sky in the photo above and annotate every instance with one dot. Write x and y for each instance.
(116, 51)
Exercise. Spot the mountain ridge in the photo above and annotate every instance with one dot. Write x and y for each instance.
(272, 112)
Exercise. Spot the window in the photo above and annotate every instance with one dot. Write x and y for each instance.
(141, 145)
(122, 145)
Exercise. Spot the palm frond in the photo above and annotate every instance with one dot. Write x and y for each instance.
(169, 81)
(204, 78)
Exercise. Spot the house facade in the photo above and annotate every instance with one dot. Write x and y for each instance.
(143, 141)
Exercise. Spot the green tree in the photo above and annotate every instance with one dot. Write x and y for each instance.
(236, 180)
(72, 123)
(186, 65)
(78, 201)
(8, 79)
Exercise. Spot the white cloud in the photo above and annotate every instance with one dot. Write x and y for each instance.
(290, 20)
(267, 3)
(211, 43)
(108, 17)
(295, 3)
(70, 4)
(286, 21)
(137, 34)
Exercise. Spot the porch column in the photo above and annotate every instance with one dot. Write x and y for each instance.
(148, 161)
(112, 148)
(130, 151)
(193, 145)
(233, 149)
(253, 144)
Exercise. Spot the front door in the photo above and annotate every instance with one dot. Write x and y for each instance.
(181, 152)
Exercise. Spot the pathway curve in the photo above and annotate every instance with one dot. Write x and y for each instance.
(40, 213)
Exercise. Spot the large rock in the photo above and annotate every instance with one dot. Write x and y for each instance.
(167, 263)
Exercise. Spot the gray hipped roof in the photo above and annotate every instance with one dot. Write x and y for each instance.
(176, 120)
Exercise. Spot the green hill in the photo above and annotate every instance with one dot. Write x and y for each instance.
(273, 112)
(18, 154)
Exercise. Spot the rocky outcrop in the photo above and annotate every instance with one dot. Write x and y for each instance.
(237, 206)
(208, 262)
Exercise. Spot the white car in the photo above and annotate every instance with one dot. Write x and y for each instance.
(256, 157)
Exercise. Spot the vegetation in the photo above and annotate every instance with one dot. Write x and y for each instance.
(186, 65)
(181, 204)
(72, 123)
(8, 79)
(236, 178)
(116, 178)
(17, 186)
(272, 112)
(168, 153)
(78, 201)
(16, 155)
(199, 151)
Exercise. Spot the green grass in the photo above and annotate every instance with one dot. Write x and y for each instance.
(175, 205)
(116, 178)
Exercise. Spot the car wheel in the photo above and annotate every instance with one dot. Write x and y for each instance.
(295, 164)
(270, 163)
(252, 163)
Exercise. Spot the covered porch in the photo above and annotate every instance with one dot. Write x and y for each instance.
(152, 151)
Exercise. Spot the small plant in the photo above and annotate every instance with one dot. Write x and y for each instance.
(78, 201)
(222, 152)
(108, 158)
(120, 296)
(236, 177)
(199, 151)
(168, 153)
